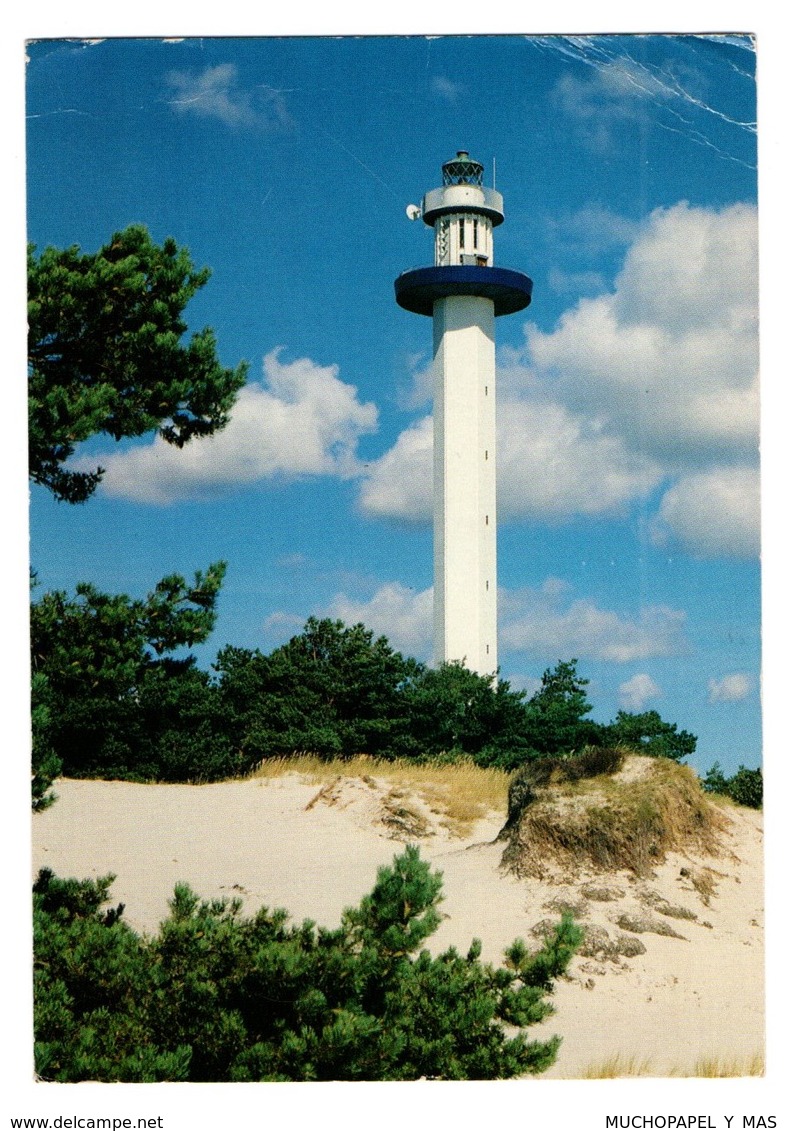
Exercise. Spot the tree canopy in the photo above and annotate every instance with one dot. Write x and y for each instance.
(111, 691)
(115, 695)
(105, 354)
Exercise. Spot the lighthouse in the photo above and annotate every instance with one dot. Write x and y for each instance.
(464, 292)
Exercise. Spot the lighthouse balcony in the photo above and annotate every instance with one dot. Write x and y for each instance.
(418, 289)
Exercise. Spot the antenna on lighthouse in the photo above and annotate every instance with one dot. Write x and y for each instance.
(413, 212)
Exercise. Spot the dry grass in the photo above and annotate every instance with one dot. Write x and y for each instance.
(713, 1067)
(617, 1066)
(704, 882)
(628, 820)
(459, 793)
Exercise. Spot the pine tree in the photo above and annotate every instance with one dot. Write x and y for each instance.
(215, 996)
(105, 354)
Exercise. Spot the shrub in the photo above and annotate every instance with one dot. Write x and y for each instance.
(647, 733)
(215, 996)
(333, 690)
(116, 697)
(745, 787)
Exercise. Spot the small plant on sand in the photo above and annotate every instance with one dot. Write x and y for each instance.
(215, 996)
(616, 1066)
(718, 1067)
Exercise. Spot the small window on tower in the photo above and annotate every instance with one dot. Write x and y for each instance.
(462, 231)
(475, 233)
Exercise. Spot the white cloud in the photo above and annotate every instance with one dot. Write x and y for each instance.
(574, 282)
(614, 93)
(618, 88)
(592, 229)
(550, 465)
(550, 620)
(553, 464)
(283, 625)
(401, 614)
(712, 513)
(730, 688)
(301, 421)
(399, 484)
(669, 357)
(215, 92)
(636, 692)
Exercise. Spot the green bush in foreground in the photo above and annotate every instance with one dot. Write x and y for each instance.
(215, 996)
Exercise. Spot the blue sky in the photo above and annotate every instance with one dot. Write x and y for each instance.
(628, 412)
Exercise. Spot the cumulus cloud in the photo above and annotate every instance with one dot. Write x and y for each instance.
(715, 512)
(669, 357)
(551, 465)
(401, 614)
(545, 622)
(637, 691)
(551, 620)
(730, 688)
(302, 420)
(574, 282)
(591, 229)
(216, 92)
(399, 484)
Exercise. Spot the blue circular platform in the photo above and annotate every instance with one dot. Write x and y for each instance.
(417, 290)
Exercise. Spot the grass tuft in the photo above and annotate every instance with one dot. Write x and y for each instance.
(714, 1067)
(709, 1067)
(616, 1066)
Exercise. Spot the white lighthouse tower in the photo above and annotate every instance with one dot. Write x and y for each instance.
(463, 293)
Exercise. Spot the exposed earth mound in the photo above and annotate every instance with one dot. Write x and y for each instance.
(608, 812)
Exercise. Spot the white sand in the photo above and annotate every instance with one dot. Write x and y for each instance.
(685, 999)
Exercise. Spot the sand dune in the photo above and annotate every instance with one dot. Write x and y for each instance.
(282, 842)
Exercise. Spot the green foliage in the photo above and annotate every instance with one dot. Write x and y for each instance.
(647, 733)
(715, 780)
(109, 699)
(454, 711)
(46, 765)
(557, 713)
(215, 996)
(105, 354)
(745, 787)
(333, 690)
(115, 702)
